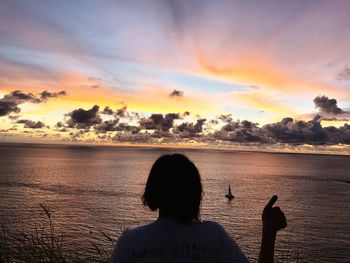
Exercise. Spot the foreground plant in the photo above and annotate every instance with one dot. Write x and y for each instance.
(44, 244)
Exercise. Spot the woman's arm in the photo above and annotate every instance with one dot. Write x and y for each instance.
(273, 220)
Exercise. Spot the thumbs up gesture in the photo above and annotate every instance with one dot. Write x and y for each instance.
(273, 218)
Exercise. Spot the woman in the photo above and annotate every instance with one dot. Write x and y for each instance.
(178, 235)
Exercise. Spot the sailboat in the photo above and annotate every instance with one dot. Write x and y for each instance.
(229, 195)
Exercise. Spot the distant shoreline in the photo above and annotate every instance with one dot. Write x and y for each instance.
(157, 147)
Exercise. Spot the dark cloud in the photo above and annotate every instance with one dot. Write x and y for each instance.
(59, 124)
(148, 123)
(240, 131)
(13, 117)
(124, 127)
(329, 110)
(189, 130)
(106, 126)
(286, 131)
(327, 105)
(338, 135)
(297, 132)
(9, 103)
(135, 115)
(214, 122)
(317, 117)
(169, 119)
(230, 126)
(21, 97)
(225, 117)
(344, 74)
(159, 122)
(14, 128)
(162, 136)
(107, 111)
(83, 119)
(115, 124)
(46, 94)
(32, 124)
(60, 127)
(8, 107)
(86, 119)
(133, 138)
(74, 135)
(121, 112)
(176, 93)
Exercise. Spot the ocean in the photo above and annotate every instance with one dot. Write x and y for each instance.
(98, 189)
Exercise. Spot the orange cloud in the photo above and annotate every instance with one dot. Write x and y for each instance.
(262, 72)
(262, 102)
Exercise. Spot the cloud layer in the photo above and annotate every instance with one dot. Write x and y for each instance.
(123, 125)
(127, 126)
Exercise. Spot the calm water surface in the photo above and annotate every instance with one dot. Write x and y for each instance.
(99, 189)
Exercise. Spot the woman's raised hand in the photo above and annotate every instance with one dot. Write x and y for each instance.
(273, 218)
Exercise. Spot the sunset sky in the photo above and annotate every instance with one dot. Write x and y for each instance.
(163, 72)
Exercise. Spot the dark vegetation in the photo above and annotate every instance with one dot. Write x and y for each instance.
(45, 244)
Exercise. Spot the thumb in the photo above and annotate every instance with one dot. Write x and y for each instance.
(271, 202)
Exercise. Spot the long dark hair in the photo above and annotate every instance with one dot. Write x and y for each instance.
(174, 186)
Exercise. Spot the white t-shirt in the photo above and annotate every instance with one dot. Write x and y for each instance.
(167, 240)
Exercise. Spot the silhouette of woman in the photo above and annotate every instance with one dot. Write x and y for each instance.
(178, 235)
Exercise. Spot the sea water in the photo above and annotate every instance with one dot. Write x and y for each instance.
(98, 189)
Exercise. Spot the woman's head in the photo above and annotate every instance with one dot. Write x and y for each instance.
(174, 187)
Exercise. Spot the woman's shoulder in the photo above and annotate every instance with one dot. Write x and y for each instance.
(137, 231)
(212, 225)
(208, 227)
